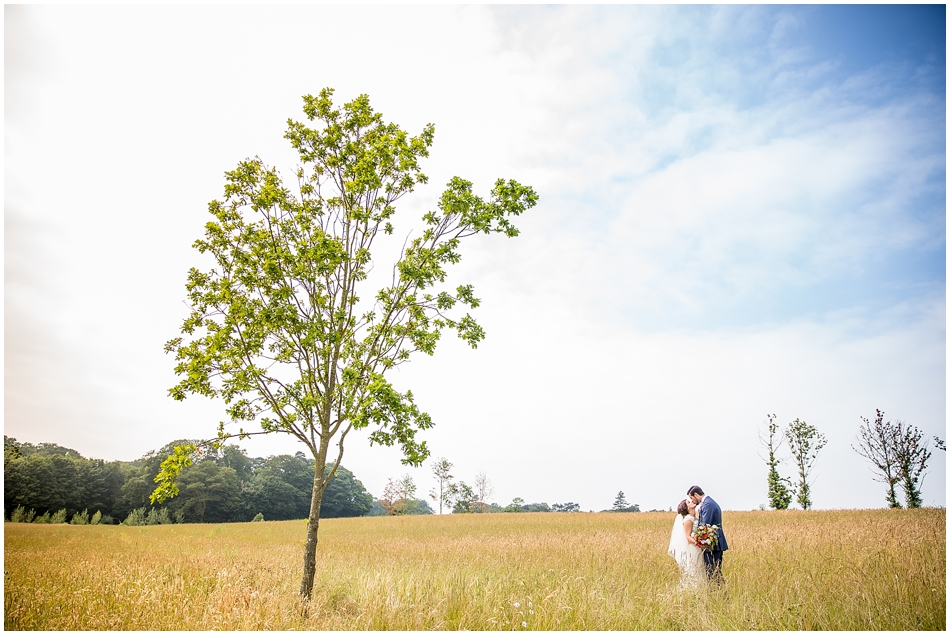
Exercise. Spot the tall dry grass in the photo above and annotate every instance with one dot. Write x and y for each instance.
(879, 569)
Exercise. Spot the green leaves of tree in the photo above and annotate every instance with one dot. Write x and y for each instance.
(169, 471)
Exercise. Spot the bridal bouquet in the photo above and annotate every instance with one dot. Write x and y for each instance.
(707, 536)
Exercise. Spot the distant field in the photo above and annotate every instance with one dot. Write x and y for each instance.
(850, 570)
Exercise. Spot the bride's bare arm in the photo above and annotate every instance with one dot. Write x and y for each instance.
(688, 528)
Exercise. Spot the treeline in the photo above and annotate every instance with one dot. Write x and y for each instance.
(458, 497)
(48, 483)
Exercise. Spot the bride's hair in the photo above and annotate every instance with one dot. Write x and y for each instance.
(683, 508)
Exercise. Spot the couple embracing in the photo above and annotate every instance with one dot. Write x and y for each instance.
(697, 541)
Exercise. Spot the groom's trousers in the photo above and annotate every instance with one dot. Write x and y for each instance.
(712, 560)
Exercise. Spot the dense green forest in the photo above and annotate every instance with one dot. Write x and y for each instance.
(222, 486)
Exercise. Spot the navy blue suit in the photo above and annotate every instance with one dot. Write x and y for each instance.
(711, 514)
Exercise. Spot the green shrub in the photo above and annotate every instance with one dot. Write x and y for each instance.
(80, 518)
(158, 517)
(42, 520)
(136, 517)
(20, 515)
(58, 517)
(258, 519)
(96, 518)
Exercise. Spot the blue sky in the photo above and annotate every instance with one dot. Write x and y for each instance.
(772, 85)
(743, 211)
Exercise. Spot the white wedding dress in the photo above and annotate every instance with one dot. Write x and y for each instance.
(688, 557)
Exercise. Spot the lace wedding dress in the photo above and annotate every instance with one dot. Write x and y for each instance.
(688, 557)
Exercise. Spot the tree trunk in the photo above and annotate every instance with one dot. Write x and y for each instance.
(313, 523)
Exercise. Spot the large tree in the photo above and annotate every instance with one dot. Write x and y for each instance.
(284, 328)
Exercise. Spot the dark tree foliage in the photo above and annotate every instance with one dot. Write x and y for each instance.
(102, 482)
(487, 508)
(345, 496)
(135, 492)
(45, 449)
(568, 507)
(378, 509)
(296, 471)
(11, 448)
(536, 507)
(417, 507)
(210, 493)
(235, 458)
(223, 485)
(50, 482)
(274, 497)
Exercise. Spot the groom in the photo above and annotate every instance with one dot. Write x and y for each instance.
(710, 514)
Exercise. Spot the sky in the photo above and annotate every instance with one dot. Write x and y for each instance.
(742, 212)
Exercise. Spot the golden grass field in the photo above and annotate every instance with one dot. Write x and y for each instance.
(848, 570)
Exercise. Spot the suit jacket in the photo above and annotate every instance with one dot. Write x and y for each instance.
(711, 514)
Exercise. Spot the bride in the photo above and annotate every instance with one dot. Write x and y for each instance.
(683, 547)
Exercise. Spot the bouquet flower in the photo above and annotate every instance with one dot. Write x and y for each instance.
(707, 536)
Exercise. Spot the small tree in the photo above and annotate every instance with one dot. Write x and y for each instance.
(399, 496)
(912, 455)
(877, 442)
(277, 327)
(565, 507)
(136, 517)
(620, 503)
(780, 487)
(462, 498)
(483, 488)
(804, 442)
(515, 506)
(158, 517)
(80, 518)
(442, 470)
(21, 515)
